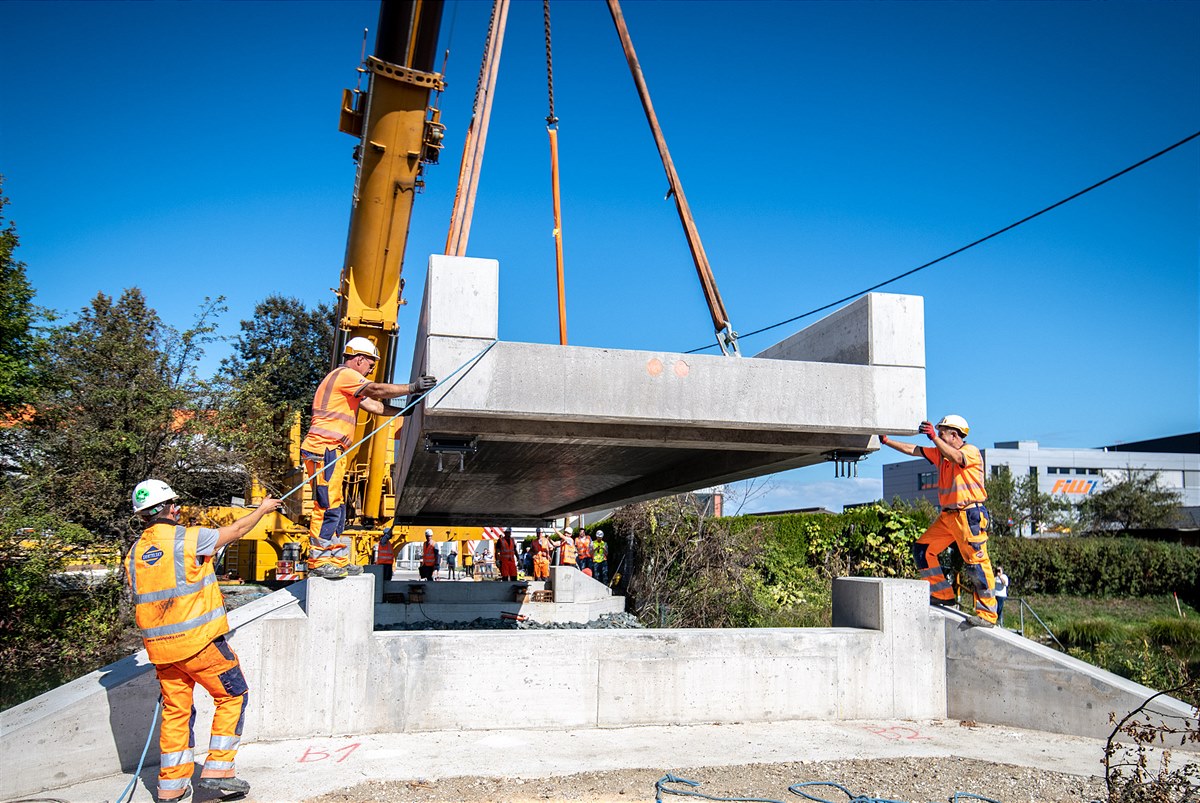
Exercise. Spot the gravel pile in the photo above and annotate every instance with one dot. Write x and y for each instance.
(898, 779)
(609, 621)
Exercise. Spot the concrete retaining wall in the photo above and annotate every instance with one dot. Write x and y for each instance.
(999, 677)
(316, 667)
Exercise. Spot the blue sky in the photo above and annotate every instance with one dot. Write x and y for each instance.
(191, 149)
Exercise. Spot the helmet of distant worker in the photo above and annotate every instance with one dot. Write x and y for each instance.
(151, 494)
(955, 422)
(361, 347)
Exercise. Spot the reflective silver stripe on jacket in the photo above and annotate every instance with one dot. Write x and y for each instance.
(178, 591)
(224, 742)
(170, 630)
(175, 759)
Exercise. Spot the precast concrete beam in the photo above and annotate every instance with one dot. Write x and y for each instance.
(528, 432)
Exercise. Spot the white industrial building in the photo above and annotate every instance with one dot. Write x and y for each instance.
(1074, 473)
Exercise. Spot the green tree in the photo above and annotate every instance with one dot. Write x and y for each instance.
(1002, 502)
(19, 340)
(1137, 501)
(123, 406)
(287, 347)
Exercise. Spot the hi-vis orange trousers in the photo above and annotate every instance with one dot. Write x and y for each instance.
(968, 530)
(327, 546)
(216, 668)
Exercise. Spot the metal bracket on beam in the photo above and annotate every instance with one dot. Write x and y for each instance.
(845, 463)
(461, 445)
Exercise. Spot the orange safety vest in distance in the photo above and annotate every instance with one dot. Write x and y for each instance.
(429, 555)
(177, 603)
(542, 546)
(506, 549)
(583, 545)
(335, 410)
(958, 486)
(384, 553)
(566, 551)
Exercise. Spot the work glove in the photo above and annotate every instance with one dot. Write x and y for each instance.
(387, 536)
(883, 439)
(927, 429)
(424, 383)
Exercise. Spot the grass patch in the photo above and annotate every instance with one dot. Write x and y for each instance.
(1143, 639)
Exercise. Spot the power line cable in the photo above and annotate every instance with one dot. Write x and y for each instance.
(944, 257)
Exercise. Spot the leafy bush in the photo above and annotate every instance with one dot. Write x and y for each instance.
(1100, 567)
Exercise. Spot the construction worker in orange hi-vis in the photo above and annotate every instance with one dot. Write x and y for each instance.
(429, 558)
(181, 615)
(335, 408)
(542, 549)
(964, 518)
(385, 554)
(506, 555)
(583, 552)
(566, 548)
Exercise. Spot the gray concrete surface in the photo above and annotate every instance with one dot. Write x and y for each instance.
(320, 674)
(1033, 686)
(557, 429)
(295, 770)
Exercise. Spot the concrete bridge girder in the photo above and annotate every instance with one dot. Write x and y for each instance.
(557, 429)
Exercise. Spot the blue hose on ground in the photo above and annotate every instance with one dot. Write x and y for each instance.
(661, 789)
(853, 798)
(121, 798)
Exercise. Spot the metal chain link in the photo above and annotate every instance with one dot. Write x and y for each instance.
(550, 119)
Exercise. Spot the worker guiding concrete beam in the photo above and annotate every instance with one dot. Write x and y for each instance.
(335, 408)
(181, 614)
(963, 520)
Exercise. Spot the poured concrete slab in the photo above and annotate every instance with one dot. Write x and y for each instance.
(528, 432)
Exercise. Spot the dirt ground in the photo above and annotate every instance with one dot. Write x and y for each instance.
(899, 779)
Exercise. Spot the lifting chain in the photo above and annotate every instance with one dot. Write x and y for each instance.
(551, 119)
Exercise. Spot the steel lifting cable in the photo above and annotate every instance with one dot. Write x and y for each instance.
(476, 139)
(726, 337)
(552, 131)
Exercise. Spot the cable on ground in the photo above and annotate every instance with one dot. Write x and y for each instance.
(661, 789)
(956, 251)
(121, 798)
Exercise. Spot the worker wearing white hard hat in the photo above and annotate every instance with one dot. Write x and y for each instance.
(600, 557)
(964, 518)
(339, 397)
(429, 558)
(180, 612)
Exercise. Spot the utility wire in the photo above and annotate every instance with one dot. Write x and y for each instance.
(944, 257)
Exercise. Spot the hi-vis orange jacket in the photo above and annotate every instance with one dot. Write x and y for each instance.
(958, 486)
(583, 546)
(335, 410)
(177, 602)
(429, 555)
(566, 551)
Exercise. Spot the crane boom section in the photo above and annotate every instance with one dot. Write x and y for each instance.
(398, 135)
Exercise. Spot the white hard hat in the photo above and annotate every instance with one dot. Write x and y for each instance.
(151, 493)
(429, 533)
(570, 530)
(599, 533)
(360, 345)
(955, 422)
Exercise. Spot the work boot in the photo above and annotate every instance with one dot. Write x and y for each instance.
(187, 795)
(226, 786)
(979, 621)
(354, 570)
(328, 573)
